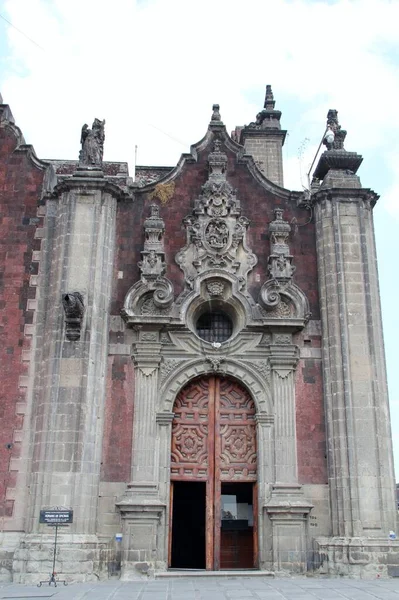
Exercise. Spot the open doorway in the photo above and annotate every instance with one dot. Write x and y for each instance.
(213, 507)
(188, 525)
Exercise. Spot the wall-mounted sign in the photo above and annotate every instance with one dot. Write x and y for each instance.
(56, 517)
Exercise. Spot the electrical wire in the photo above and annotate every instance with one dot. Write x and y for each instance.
(22, 33)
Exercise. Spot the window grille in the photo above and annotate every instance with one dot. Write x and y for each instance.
(214, 327)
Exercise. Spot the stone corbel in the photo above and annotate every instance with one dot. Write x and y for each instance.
(73, 305)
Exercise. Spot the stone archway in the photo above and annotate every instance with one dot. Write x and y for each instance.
(213, 476)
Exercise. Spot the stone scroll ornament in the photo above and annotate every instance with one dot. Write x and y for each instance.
(216, 231)
(74, 308)
(279, 295)
(92, 141)
(153, 294)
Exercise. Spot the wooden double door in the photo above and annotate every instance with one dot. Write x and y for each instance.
(213, 521)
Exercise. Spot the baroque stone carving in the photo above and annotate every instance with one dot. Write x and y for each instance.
(216, 231)
(283, 338)
(335, 136)
(149, 308)
(92, 141)
(281, 311)
(167, 366)
(336, 157)
(215, 113)
(215, 288)
(268, 118)
(216, 362)
(74, 308)
(153, 256)
(153, 294)
(281, 298)
(148, 337)
(280, 260)
(165, 338)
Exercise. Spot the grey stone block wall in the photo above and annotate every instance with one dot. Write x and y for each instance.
(68, 402)
(267, 153)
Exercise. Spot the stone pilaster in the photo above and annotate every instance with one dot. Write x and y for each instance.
(286, 506)
(142, 510)
(360, 457)
(283, 360)
(147, 359)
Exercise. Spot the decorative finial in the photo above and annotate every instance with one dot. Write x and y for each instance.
(92, 140)
(268, 117)
(335, 136)
(216, 114)
(269, 99)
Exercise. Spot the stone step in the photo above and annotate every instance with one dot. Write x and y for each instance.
(203, 573)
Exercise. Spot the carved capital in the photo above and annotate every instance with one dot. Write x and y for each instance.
(264, 419)
(284, 359)
(147, 357)
(165, 418)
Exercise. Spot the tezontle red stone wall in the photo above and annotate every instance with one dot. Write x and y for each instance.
(20, 191)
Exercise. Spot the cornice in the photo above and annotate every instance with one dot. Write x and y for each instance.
(345, 195)
(88, 184)
(219, 129)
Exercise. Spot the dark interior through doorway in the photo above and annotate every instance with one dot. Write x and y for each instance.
(188, 525)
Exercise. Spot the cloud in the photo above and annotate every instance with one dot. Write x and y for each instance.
(154, 69)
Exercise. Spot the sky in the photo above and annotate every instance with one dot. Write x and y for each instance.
(154, 68)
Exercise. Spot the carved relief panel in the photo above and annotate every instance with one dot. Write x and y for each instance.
(216, 231)
(213, 432)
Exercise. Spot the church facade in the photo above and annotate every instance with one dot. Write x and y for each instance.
(192, 362)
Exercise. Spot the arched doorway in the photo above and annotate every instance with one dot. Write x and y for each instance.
(213, 522)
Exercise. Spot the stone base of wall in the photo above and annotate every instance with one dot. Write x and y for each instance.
(79, 558)
(355, 557)
(9, 542)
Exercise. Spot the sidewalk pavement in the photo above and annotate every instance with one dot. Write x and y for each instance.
(213, 588)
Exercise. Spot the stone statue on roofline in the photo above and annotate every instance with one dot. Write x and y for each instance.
(92, 140)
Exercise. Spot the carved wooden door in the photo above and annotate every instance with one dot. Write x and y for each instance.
(214, 441)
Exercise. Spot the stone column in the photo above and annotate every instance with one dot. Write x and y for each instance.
(286, 507)
(360, 458)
